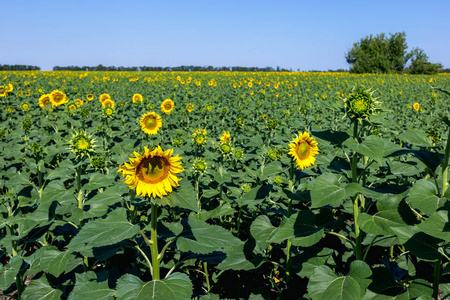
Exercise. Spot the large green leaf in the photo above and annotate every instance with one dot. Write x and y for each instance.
(9, 272)
(372, 147)
(422, 196)
(51, 260)
(299, 229)
(437, 225)
(200, 237)
(324, 284)
(175, 287)
(417, 242)
(40, 289)
(416, 137)
(261, 230)
(327, 190)
(183, 196)
(84, 290)
(381, 222)
(102, 232)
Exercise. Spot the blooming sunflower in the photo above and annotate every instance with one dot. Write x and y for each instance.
(154, 173)
(9, 88)
(2, 91)
(90, 97)
(416, 106)
(71, 107)
(79, 102)
(45, 102)
(190, 107)
(167, 106)
(104, 97)
(81, 143)
(108, 112)
(303, 149)
(108, 103)
(137, 97)
(58, 98)
(150, 123)
(226, 137)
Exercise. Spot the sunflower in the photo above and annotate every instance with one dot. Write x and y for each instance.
(2, 91)
(81, 143)
(25, 106)
(225, 148)
(226, 137)
(90, 97)
(360, 104)
(45, 102)
(190, 107)
(58, 98)
(303, 149)
(137, 97)
(199, 137)
(104, 97)
(71, 107)
(154, 173)
(79, 102)
(9, 88)
(108, 112)
(416, 106)
(150, 123)
(108, 103)
(167, 106)
(200, 166)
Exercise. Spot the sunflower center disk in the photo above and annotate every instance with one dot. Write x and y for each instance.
(303, 150)
(150, 123)
(82, 144)
(154, 169)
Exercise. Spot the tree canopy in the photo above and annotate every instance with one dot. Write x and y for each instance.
(382, 54)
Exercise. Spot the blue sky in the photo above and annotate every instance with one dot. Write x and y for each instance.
(305, 35)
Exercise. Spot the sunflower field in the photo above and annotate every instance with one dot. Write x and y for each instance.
(224, 185)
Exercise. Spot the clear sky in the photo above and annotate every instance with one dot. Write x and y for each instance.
(305, 35)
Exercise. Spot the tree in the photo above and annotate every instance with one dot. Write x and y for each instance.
(379, 54)
(421, 65)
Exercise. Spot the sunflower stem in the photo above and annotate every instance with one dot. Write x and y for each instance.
(289, 212)
(154, 246)
(436, 277)
(358, 252)
(445, 166)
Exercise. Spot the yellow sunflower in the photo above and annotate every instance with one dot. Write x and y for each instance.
(190, 107)
(45, 102)
(104, 97)
(303, 149)
(81, 143)
(137, 97)
(90, 97)
(150, 123)
(9, 88)
(2, 91)
(416, 106)
(58, 98)
(167, 106)
(226, 137)
(108, 103)
(154, 173)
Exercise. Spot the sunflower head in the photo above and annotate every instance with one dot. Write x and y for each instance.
(303, 150)
(225, 148)
(199, 137)
(98, 162)
(81, 144)
(200, 166)
(108, 103)
(25, 106)
(90, 97)
(27, 124)
(151, 123)
(416, 106)
(190, 107)
(71, 107)
(137, 97)
(167, 106)
(108, 112)
(45, 102)
(154, 173)
(58, 98)
(226, 137)
(360, 104)
(238, 154)
(103, 97)
(274, 154)
(35, 148)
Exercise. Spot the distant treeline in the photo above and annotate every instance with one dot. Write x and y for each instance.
(19, 68)
(179, 68)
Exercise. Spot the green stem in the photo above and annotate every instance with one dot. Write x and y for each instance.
(154, 246)
(205, 266)
(289, 243)
(436, 278)
(358, 252)
(445, 166)
(80, 192)
(146, 258)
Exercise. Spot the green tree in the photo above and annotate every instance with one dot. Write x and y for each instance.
(421, 65)
(379, 54)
